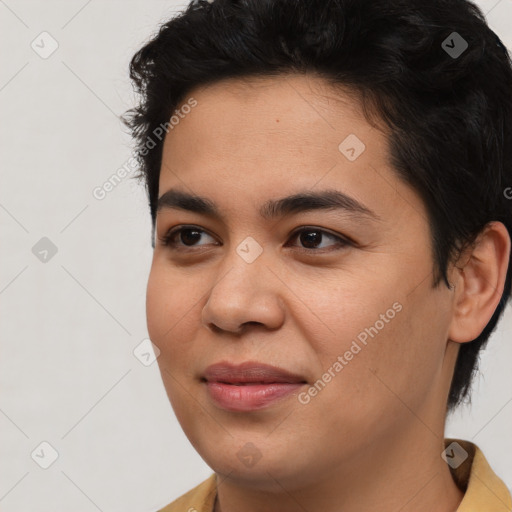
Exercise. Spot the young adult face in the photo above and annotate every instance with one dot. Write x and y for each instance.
(302, 302)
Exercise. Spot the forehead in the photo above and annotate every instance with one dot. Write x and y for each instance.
(289, 117)
(261, 136)
(292, 103)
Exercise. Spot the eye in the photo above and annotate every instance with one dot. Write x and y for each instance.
(188, 235)
(311, 238)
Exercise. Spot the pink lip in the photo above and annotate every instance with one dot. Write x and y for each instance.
(249, 386)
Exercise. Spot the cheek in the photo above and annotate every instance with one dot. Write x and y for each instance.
(344, 310)
(168, 295)
(387, 337)
(171, 323)
(403, 362)
(158, 302)
(169, 308)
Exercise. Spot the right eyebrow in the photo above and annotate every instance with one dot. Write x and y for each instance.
(303, 201)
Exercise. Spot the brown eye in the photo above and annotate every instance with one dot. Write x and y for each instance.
(183, 237)
(311, 238)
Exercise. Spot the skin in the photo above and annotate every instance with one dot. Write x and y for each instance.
(373, 437)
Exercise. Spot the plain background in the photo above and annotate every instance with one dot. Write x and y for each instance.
(70, 324)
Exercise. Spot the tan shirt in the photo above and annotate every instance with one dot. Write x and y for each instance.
(483, 490)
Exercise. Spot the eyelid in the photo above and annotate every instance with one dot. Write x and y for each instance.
(342, 240)
(171, 232)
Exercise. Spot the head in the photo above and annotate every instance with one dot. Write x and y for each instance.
(361, 103)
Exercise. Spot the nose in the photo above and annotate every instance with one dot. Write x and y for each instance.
(243, 295)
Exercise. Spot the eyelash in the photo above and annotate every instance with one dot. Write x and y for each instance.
(167, 239)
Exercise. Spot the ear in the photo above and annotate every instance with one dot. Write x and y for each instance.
(479, 282)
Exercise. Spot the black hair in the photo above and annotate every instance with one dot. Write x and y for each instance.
(434, 72)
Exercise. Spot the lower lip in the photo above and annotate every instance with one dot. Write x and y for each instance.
(249, 397)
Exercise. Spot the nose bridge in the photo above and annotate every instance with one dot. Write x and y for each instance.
(244, 264)
(244, 291)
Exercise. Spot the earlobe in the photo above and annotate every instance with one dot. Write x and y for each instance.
(479, 282)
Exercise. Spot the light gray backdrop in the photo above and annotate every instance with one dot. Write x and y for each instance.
(74, 271)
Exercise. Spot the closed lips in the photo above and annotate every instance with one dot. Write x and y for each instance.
(249, 373)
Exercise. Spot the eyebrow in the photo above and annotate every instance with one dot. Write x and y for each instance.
(303, 201)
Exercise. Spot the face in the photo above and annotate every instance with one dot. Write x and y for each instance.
(332, 292)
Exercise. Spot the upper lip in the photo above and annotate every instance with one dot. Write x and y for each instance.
(249, 371)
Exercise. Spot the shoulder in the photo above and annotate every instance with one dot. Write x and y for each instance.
(199, 499)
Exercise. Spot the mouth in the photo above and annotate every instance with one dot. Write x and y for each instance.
(249, 373)
(249, 386)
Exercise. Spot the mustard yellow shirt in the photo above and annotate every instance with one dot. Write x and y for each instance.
(483, 490)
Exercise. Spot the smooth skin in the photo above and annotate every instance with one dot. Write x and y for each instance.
(372, 438)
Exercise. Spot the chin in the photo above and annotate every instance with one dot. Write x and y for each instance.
(255, 461)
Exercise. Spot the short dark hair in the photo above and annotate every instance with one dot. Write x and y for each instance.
(449, 116)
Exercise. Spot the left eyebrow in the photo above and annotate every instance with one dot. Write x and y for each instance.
(297, 203)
